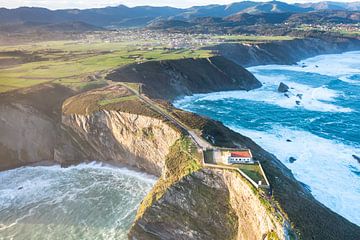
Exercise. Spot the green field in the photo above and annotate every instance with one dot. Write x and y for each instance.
(74, 64)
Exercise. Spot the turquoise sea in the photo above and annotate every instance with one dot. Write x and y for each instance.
(317, 123)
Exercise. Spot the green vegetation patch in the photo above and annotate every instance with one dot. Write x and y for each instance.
(253, 171)
(179, 162)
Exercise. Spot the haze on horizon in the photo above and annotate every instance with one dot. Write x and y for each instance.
(83, 4)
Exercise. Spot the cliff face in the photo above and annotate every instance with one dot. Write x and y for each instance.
(171, 79)
(26, 136)
(283, 52)
(208, 204)
(29, 126)
(135, 140)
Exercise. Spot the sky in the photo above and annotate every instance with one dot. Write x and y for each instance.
(81, 4)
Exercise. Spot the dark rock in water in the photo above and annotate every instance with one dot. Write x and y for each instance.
(288, 140)
(286, 95)
(298, 102)
(292, 159)
(356, 158)
(299, 95)
(283, 88)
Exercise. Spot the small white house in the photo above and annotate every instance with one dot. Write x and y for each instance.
(242, 156)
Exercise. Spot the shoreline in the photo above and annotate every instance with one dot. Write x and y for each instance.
(183, 103)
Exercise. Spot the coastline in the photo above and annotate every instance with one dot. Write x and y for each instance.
(286, 173)
(260, 138)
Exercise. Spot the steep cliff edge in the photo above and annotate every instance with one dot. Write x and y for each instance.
(30, 122)
(134, 140)
(175, 78)
(283, 52)
(209, 204)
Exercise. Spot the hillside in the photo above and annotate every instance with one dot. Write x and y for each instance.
(261, 23)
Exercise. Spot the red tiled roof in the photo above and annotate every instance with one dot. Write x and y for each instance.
(243, 154)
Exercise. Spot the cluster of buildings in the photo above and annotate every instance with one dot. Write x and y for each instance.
(341, 28)
(151, 38)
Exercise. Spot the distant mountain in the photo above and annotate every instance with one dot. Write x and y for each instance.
(320, 17)
(328, 5)
(122, 16)
(259, 18)
(275, 7)
(260, 23)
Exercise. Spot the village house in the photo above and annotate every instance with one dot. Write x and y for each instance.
(229, 156)
(242, 156)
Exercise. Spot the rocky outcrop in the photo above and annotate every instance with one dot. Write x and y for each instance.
(173, 78)
(208, 204)
(283, 52)
(283, 88)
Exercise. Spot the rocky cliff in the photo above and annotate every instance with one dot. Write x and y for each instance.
(134, 140)
(283, 52)
(209, 204)
(171, 79)
(29, 125)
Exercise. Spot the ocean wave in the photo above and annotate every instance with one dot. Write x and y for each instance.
(326, 166)
(319, 99)
(86, 201)
(341, 66)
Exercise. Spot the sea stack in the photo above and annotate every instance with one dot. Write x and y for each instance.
(283, 88)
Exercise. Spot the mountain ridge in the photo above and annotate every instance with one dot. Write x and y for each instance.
(123, 16)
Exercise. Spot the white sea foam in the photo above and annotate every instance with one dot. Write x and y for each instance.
(322, 164)
(342, 66)
(325, 165)
(319, 99)
(86, 201)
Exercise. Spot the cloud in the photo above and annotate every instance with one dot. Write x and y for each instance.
(61, 4)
